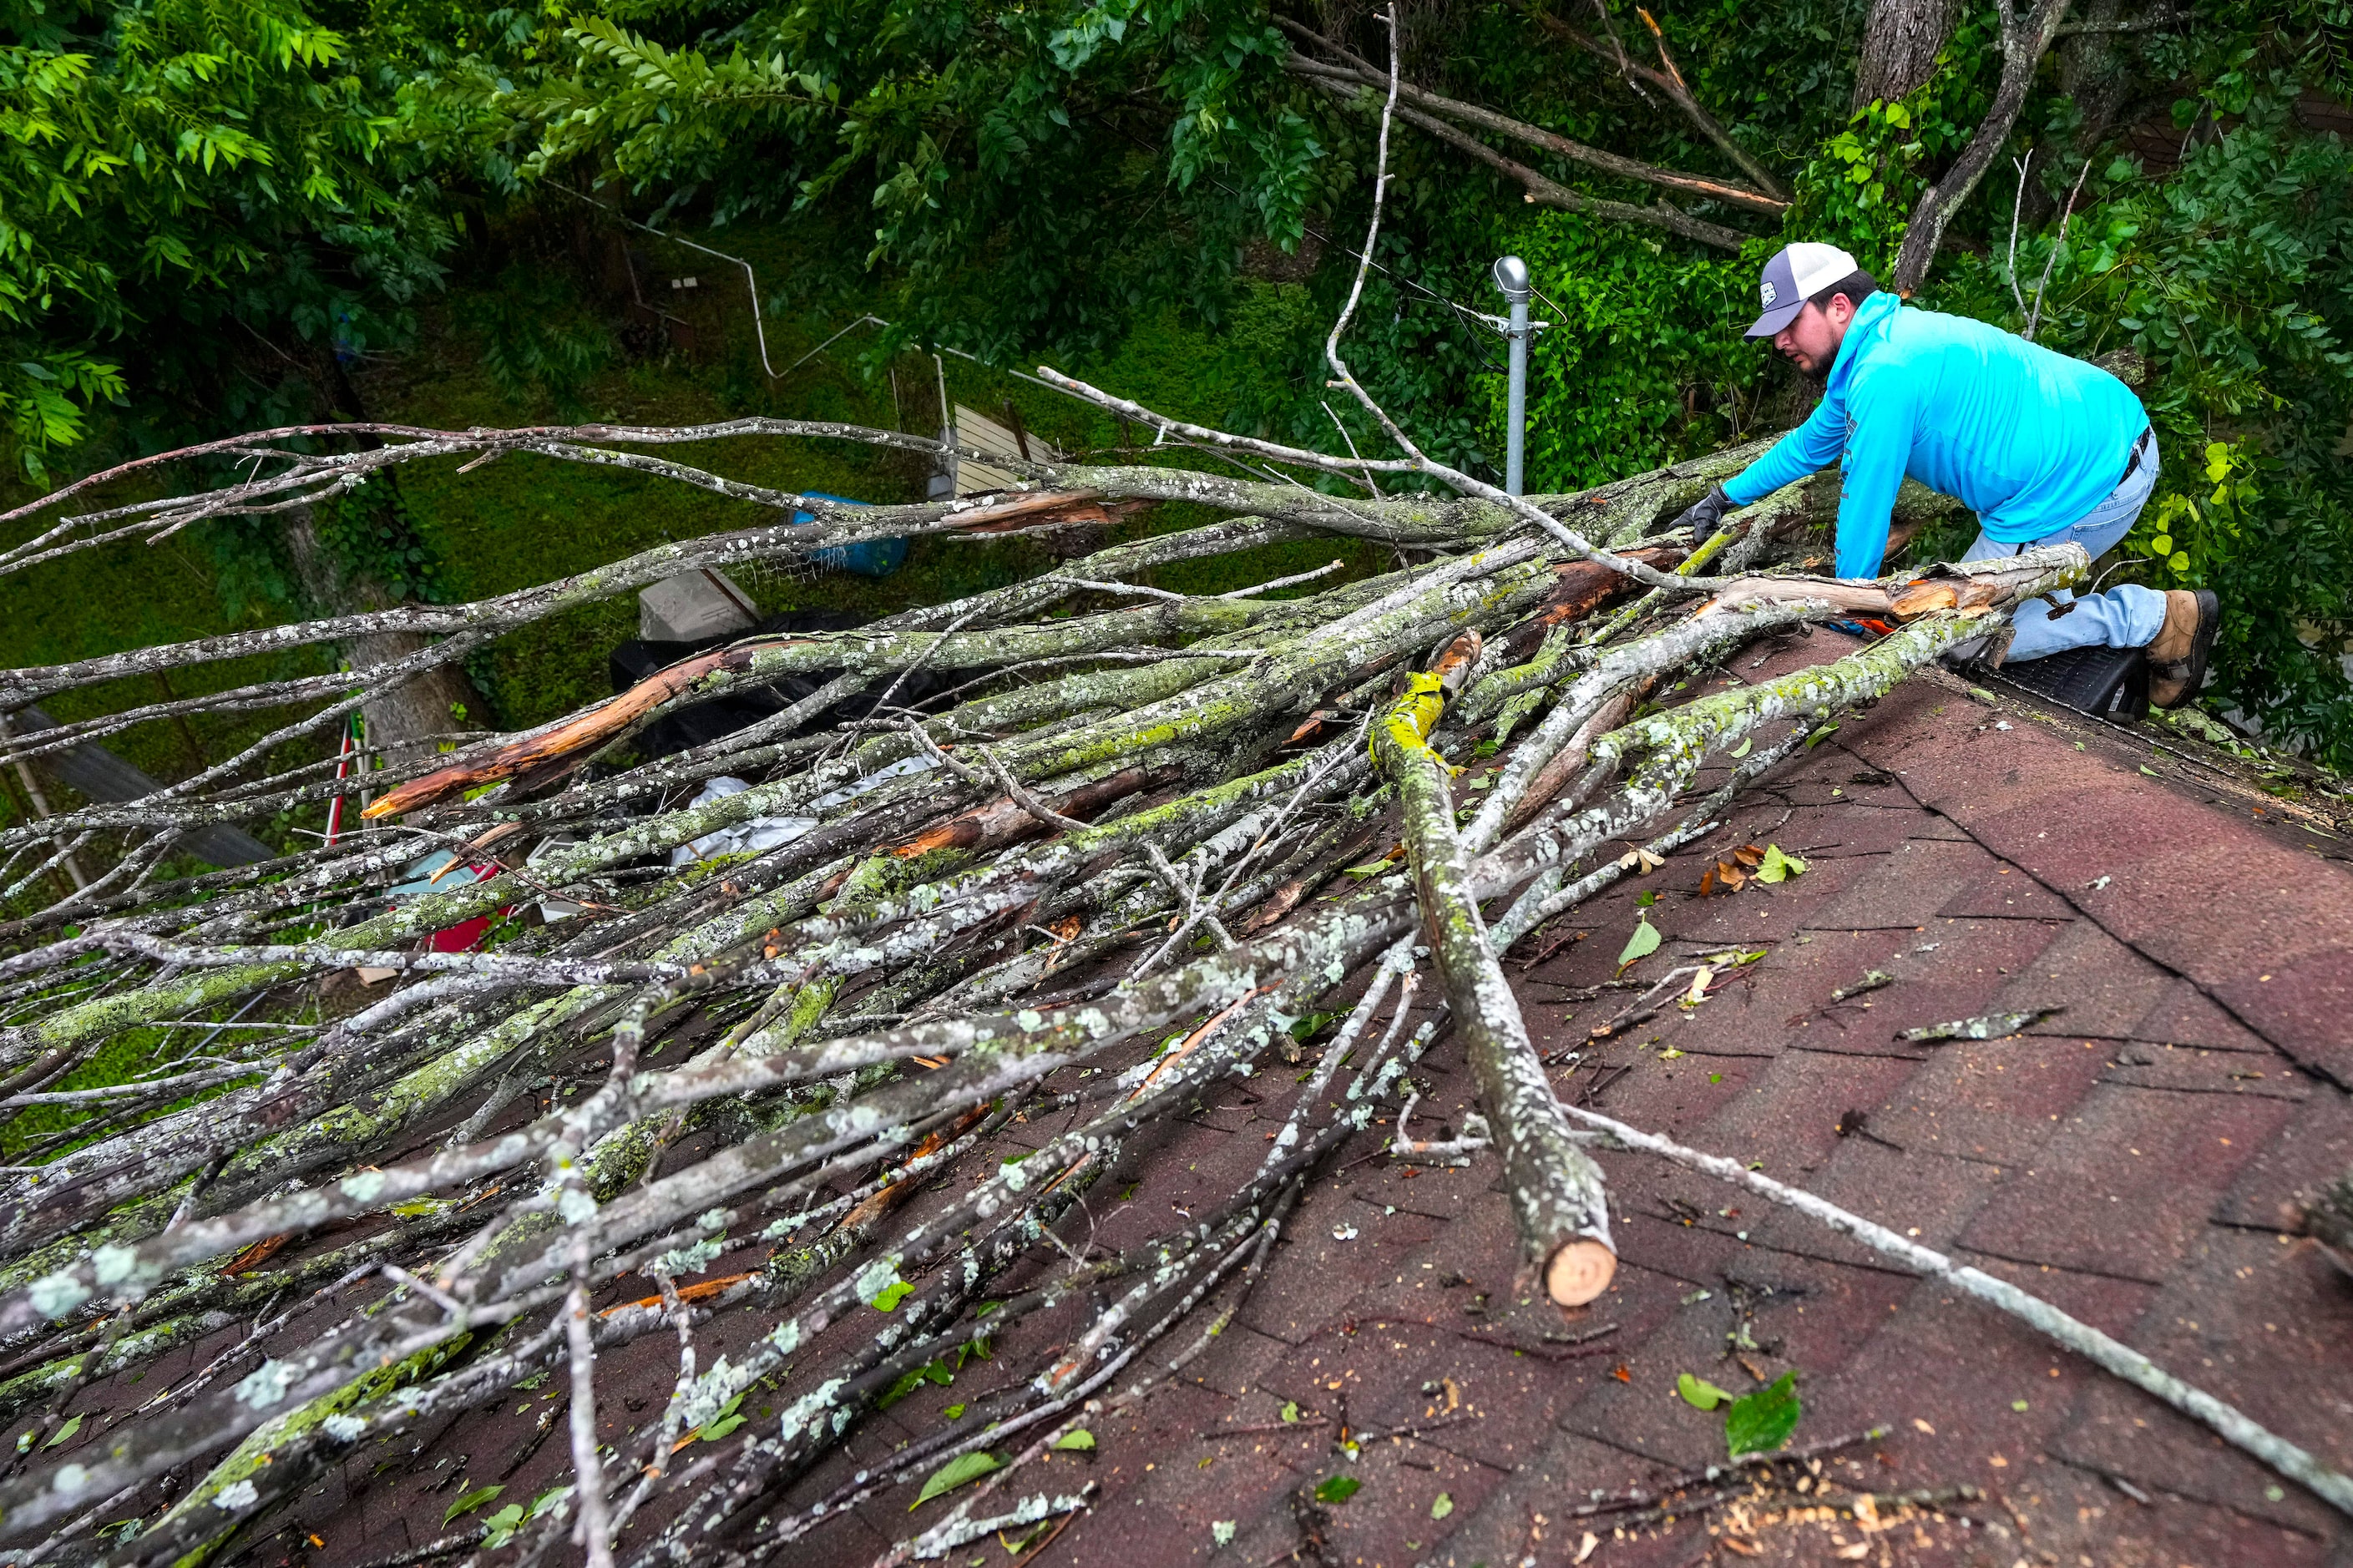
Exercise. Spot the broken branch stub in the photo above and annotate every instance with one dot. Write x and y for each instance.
(2001, 584)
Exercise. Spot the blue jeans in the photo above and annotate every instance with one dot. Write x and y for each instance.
(2128, 615)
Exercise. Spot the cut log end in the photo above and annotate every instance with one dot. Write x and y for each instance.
(1579, 1272)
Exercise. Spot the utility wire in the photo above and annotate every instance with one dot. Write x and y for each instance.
(751, 280)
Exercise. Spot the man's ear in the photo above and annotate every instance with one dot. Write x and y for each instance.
(1841, 310)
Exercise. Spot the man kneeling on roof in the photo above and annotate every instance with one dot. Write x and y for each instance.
(2045, 448)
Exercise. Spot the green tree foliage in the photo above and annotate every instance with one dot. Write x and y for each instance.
(180, 179)
(1857, 187)
(1032, 174)
(539, 342)
(1070, 178)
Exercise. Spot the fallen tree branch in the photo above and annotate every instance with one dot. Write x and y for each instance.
(1010, 899)
(1355, 70)
(1671, 85)
(1541, 191)
(1555, 1189)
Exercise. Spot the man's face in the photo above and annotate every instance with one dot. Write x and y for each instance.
(1812, 340)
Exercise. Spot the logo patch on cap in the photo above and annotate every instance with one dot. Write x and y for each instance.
(1767, 289)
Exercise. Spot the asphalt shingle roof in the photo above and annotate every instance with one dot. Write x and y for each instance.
(2133, 1158)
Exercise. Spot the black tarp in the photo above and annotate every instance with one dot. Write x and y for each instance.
(703, 722)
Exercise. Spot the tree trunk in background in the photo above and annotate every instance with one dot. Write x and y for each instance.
(399, 716)
(2025, 39)
(1899, 46)
(408, 714)
(2097, 74)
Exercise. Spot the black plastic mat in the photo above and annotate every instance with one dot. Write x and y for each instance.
(2112, 682)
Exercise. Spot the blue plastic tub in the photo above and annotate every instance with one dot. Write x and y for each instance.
(868, 557)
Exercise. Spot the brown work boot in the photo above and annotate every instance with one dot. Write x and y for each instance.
(2177, 657)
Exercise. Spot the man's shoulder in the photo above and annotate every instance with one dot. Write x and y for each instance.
(1917, 338)
(1911, 329)
(1918, 348)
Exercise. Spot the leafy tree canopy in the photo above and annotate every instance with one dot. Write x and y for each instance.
(223, 201)
(176, 176)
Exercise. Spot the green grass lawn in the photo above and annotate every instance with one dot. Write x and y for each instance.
(526, 520)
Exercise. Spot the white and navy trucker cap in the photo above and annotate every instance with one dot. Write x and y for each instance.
(1797, 274)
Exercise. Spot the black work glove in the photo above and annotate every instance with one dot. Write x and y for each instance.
(1706, 515)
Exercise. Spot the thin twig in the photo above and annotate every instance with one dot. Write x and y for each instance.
(2234, 1427)
(2043, 284)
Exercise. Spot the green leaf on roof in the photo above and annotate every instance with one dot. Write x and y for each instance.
(1760, 1421)
(956, 1472)
(1702, 1395)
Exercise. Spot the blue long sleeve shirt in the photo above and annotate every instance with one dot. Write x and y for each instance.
(2028, 439)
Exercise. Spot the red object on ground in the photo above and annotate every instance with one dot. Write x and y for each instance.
(343, 771)
(461, 937)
